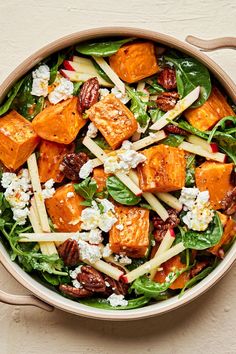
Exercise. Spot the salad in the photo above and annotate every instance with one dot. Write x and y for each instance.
(117, 175)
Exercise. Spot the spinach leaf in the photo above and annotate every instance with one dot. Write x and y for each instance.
(154, 87)
(10, 97)
(227, 143)
(120, 193)
(196, 279)
(25, 103)
(56, 280)
(204, 239)
(104, 304)
(190, 171)
(53, 71)
(101, 49)
(87, 189)
(222, 125)
(138, 107)
(190, 73)
(173, 140)
(189, 128)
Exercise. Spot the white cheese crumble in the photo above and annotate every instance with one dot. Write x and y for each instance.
(63, 90)
(199, 213)
(90, 253)
(92, 131)
(117, 300)
(76, 284)
(122, 259)
(17, 193)
(120, 227)
(86, 169)
(93, 237)
(124, 159)
(107, 252)
(93, 218)
(41, 77)
(73, 273)
(48, 190)
(103, 93)
(70, 195)
(124, 98)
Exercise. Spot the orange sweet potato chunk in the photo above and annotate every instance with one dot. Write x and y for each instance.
(17, 140)
(206, 116)
(135, 61)
(229, 233)
(113, 119)
(172, 265)
(163, 170)
(59, 123)
(133, 239)
(50, 157)
(214, 177)
(64, 209)
(100, 178)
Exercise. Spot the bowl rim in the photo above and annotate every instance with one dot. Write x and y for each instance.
(57, 300)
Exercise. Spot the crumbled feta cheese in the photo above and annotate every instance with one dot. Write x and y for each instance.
(70, 195)
(76, 284)
(41, 77)
(103, 93)
(92, 131)
(17, 193)
(124, 98)
(120, 227)
(48, 190)
(75, 272)
(63, 90)
(93, 237)
(197, 204)
(90, 253)
(123, 160)
(117, 300)
(93, 218)
(122, 259)
(107, 252)
(86, 169)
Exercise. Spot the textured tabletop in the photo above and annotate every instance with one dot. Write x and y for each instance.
(204, 326)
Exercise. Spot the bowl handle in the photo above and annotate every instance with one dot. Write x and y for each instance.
(212, 44)
(24, 300)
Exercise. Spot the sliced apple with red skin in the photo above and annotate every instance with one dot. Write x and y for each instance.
(75, 76)
(212, 147)
(199, 150)
(69, 65)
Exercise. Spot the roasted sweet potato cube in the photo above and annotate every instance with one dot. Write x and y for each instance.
(173, 265)
(133, 239)
(100, 177)
(50, 157)
(163, 170)
(229, 233)
(113, 119)
(214, 177)
(60, 123)
(135, 61)
(17, 140)
(206, 116)
(64, 209)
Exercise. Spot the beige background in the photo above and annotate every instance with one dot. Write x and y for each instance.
(205, 326)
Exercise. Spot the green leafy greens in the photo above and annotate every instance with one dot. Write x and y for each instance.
(10, 97)
(120, 193)
(104, 304)
(138, 107)
(101, 49)
(86, 189)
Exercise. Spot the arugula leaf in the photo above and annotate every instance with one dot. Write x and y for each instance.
(86, 189)
(203, 239)
(120, 193)
(173, 140)
(138, 107)
(196, 279)
(190, 171)
(101, 49)
(190, 73)
(154, 87)
(189, 128)
(221, 124)
(25, 103)
(104, 304)
(156, 114)
(10, 97)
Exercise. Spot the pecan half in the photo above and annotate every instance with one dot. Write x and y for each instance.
(72, 163)
(114, 286)
(171, 128)
(69, 252)
(167, 79)
(228, 204)
(161, 226)
(167, 100)
(74, 292)
(91, 280)
(89, 94)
